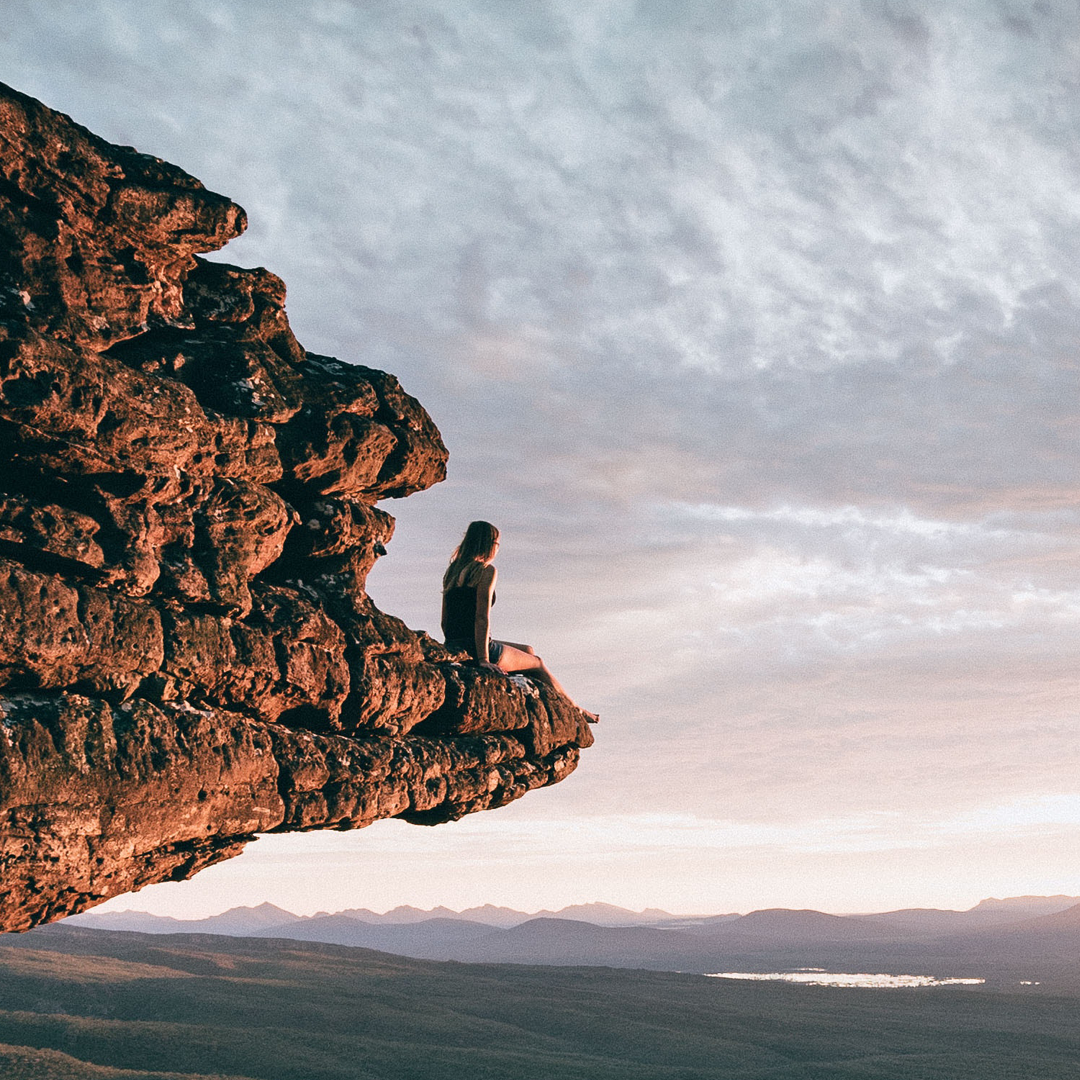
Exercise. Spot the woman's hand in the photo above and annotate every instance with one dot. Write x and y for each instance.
(492, 667)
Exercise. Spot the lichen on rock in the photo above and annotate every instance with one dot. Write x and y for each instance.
(188, 655)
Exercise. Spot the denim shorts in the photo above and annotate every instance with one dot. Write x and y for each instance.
(495, 648)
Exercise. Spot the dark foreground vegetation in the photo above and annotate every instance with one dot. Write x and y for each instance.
(93, 1005)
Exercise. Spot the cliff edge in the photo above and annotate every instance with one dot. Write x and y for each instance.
(188, 655)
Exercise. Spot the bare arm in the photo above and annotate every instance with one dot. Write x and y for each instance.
(485, 588)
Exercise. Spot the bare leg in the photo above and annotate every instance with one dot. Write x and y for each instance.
(521, 648)
(524, 659)
(515, 658)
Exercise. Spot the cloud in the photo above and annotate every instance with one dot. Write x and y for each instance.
(753, 326)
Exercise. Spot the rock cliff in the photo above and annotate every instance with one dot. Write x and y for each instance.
(187, 519)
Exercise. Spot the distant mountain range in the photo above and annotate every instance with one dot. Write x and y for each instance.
(258, 921)
(1019, 938)
(255, 921)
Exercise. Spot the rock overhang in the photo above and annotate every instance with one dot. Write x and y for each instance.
(188, 655)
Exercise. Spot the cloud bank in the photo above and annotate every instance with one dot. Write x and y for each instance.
(753, 327)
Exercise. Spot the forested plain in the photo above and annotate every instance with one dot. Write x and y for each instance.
(97, 1005)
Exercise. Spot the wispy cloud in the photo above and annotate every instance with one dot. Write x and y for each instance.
(753, 325)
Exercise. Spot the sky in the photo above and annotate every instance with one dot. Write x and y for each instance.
(753, 327)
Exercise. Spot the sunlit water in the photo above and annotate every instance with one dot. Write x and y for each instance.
(818, 977)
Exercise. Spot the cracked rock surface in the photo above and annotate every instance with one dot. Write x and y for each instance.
(188, 655)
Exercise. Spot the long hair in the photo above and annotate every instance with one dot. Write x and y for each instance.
(476, 548)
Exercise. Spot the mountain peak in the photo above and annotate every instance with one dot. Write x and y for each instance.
(1058, 902)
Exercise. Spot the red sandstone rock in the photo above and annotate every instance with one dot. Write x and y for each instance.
(187, 652)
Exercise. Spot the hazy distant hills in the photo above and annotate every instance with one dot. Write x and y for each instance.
(985, 913)
(1035, 905)
(430, 938)
(245, 921)
(1021, 938)
(236, 922)
(266, 919)
(489, 914)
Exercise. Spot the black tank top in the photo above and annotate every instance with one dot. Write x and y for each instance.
(460, 624)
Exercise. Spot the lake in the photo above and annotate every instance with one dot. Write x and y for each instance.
(818, 977)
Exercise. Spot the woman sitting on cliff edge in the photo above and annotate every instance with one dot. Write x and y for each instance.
(468, 594)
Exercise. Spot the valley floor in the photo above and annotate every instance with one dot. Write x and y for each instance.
(80, 1004)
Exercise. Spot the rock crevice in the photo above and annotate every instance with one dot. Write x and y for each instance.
(188, 655)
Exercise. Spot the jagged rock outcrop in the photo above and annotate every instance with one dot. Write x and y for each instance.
(187, 519)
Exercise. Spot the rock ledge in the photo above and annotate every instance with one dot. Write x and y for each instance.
(188, 655)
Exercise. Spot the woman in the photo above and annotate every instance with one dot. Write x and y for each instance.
(467, 598)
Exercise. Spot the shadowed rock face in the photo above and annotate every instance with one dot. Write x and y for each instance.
(187, 520)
